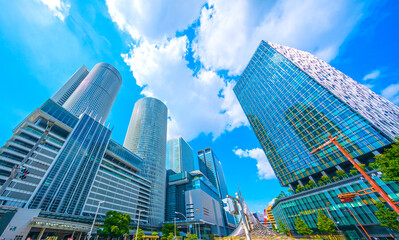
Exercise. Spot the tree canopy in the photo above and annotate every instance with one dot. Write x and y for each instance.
(387, 218)
(115, 224)
(324, 223)
(169, 228)
(282, 228)
(388, 162)
(301, 227)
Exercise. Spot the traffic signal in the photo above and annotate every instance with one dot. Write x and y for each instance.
(24, 172)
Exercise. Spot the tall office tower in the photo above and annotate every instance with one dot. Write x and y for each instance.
(294, 101)
(96, 93)
(179, 155)
(211, 167)
(146, 137)
(73, 166)
(70, 86)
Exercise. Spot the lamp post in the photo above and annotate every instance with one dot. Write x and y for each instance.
(188, 229)
(94, 220)
(339, 231)
(175, 227)
(367, 177)
(138, 223)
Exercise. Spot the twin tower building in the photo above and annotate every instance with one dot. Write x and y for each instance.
(74, 164)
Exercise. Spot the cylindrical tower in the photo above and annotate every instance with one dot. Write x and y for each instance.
(146, 137)
(97, 92)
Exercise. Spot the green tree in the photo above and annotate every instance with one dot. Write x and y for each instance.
(154, 234)
(324, 223)
(171, 236)
(301, 227)
(320, 183)
(115, 224)
(140, 234)
(387, 217)
(282, 228)
(169, 228)
(192, 236)
(388, 162)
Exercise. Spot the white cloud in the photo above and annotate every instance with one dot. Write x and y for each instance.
(229, 33)
(59, 8)
(373, 75)
(153, 19)
(370, 86)
(271, 202)
(204, 103)
(265, 170)
(392, 93)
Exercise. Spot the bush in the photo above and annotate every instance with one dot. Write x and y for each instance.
(335, 178)
(341, 173)
(325, 178)
(353, 172)
(299, 188)
(321, 183)
(312, 183)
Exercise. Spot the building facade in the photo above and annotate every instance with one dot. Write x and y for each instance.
(179, 155)
(211, 167)
(294, 101)
(194, 201)
(73, 165)
(146, 137)
(96, 94)
(70, 86)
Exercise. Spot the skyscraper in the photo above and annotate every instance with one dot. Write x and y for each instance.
(211, 167)
(294, 101)
(146, 137)
(73, 165)
(179, 155)
(96, 94)
(70, 86)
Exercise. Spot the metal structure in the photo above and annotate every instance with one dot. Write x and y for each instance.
(17, 168)
(367, 177)
(358, 222)
(249, 225)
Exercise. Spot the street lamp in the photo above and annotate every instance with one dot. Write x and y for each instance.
(138, 223)
(94, 220)
(335, 223)
(367, 177)
(188, 229)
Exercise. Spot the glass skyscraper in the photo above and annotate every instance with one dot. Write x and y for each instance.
(70, 86)
(179, 155)
(73, 165)
(146, 137)
(294, 101)
(96, 94)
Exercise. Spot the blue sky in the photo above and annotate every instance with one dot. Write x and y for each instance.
(189, 54)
